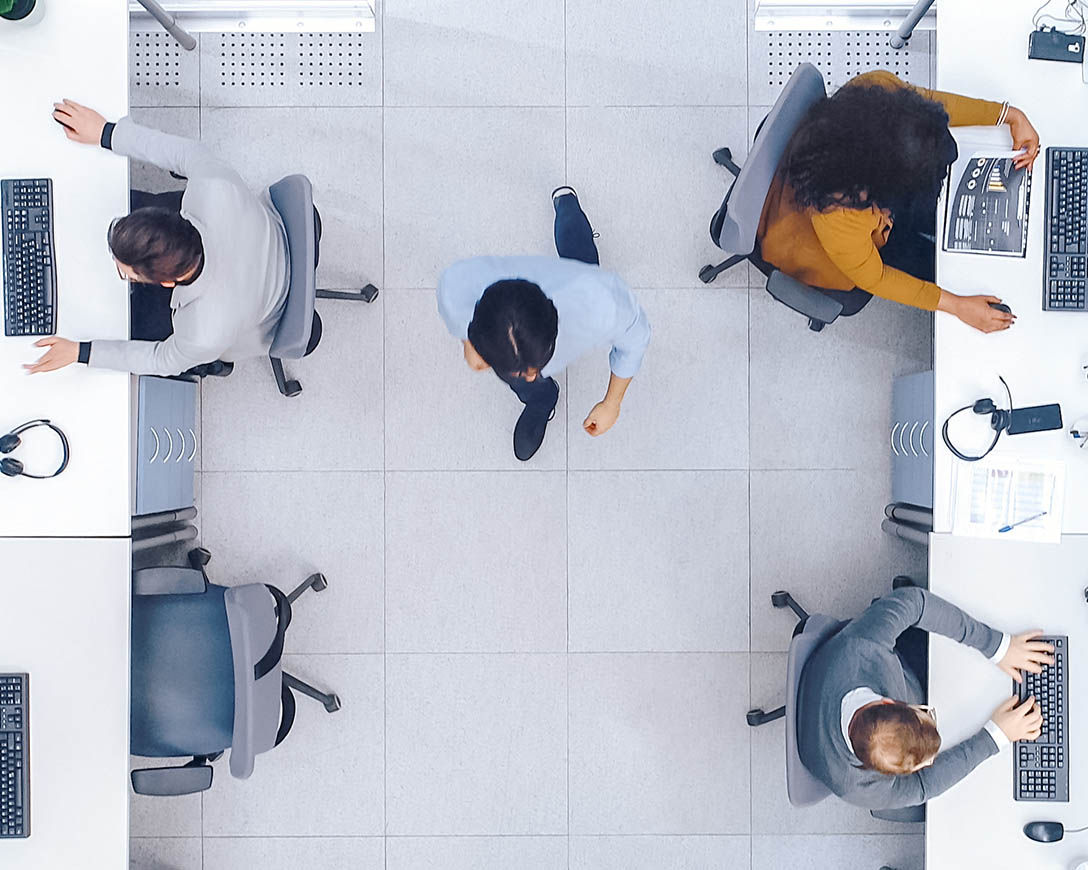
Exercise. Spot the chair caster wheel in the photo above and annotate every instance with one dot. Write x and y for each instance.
(369, 293)
(199, 557)
(723, 156)
(333, 704)
(902, 581)
(293, 388)
(707, 274)
(815, 325)
(754, 716)
(780, 599)
(318, 582)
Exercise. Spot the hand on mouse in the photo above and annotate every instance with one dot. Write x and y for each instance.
(976, 311)
(80, 123)
(1019, 723)
(1026, 654)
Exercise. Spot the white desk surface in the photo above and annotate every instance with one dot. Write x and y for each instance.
(65, 621)
(1042, 354)
(78, 49)
(1012, 586)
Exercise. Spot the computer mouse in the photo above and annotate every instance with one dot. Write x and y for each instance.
(1001, 306)
(1044, 832)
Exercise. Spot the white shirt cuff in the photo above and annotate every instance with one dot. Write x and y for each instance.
(1002, 648)
(998, 735)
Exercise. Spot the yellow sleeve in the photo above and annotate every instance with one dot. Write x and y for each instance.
(846, 237)
(962, 111)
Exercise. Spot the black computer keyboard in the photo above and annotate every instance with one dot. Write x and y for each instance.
(14, 755)
(30, 273)
(1065, 272)
(1041, 766)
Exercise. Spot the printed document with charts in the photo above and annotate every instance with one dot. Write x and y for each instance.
(1016, 501)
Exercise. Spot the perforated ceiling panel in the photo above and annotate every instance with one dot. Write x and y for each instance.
(161, 73)
(839, 55)
(270, 69)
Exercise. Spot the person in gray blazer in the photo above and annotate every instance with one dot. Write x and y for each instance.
(863, 727)
(208, 267)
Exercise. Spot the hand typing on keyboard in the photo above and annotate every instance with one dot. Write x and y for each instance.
(1019, 723)
(1026, 654)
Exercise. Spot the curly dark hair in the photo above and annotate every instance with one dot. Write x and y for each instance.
(868, 146)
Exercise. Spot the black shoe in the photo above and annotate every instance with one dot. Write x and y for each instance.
(530, 428)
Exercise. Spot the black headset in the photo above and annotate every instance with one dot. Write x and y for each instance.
(999, 422)
(10, 467)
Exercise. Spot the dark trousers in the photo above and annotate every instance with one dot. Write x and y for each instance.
(913, 649)
(573, 241)
(150, 315)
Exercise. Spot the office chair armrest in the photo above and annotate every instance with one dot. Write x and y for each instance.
(803, 299)
(169, 580)
(904, 814)
(172, 781)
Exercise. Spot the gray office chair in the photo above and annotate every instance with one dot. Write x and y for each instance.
(299, 329)
(811, 630)
(734, 225)
(206, 674)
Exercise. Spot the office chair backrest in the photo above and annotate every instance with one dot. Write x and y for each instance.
(802, 787)
(293, 198)
(733, 227)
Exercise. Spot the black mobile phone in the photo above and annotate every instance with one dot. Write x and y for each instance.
(1037, 418)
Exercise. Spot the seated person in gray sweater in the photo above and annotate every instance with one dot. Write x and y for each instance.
(209, 270)
(863, 727)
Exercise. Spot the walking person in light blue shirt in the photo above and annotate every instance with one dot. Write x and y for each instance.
(528, 318)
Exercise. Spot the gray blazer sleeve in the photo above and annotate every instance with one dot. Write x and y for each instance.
(889, 616)
(176, 153)
(884, 792)
(170, 357)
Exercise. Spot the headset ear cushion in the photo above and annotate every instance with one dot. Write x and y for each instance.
(11, 467)
(8, 442)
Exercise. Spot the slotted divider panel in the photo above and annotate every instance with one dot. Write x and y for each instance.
(839, 55)
(290, 69)
(161, 72)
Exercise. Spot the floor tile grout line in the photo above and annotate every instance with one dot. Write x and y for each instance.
(566, 451)
(385, 496)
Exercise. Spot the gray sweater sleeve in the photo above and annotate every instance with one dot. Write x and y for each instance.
(891, 615)
(884, 792)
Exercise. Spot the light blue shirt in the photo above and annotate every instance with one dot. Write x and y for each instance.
(595, 307)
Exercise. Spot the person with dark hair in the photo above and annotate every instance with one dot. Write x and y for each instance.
(852, 207)
(863, 728)
(207, 266)
(528, 318)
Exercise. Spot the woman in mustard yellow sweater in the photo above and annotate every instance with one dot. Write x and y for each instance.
(854, 198)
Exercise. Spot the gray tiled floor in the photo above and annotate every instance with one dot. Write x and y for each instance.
(541, 667)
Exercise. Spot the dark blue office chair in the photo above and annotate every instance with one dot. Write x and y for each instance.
(206, 674)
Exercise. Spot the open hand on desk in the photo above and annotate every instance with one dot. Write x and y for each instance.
(80, 123)
(1019, 723)
(1026, 654)
(61, 353)
(976, 311)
